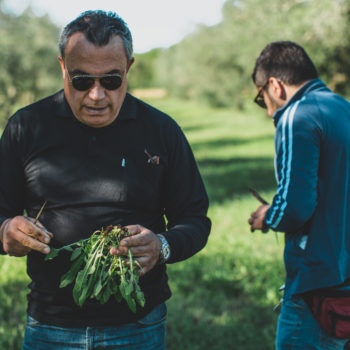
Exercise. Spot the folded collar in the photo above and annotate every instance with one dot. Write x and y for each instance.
(312, 85)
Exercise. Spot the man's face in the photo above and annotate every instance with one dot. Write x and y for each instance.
(97, 106)
(272, 103)
(269, 97)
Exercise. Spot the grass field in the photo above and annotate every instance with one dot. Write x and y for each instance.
(222, 297)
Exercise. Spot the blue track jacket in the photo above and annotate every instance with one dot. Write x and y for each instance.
(312, 202)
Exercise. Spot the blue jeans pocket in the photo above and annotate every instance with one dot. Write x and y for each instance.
(148, 333)
(298, 329)
(157, 315)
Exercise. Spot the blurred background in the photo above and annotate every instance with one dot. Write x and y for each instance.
(195, 64)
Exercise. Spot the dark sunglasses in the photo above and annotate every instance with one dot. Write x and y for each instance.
(85, 82)
(259, 98)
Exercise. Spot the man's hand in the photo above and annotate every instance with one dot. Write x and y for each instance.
(144, 244)
(256, 220)
(20, 235)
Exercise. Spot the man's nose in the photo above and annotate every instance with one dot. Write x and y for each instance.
(96, 92)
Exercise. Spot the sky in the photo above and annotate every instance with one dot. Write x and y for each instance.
(153, 23)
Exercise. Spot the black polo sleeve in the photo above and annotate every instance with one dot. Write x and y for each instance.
(186, 201)
(11, 174)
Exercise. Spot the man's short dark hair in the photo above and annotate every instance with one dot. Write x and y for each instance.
(98, 27)
(284, 60)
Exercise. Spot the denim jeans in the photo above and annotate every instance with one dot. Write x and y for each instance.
(147, 333)
(298, 329)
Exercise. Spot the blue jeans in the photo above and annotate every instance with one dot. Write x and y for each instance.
(147, 333)
(298, 329)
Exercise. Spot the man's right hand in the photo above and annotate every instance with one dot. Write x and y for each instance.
(20, 235)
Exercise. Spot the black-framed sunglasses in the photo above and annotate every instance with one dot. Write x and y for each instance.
(83, 82)
(259, 98)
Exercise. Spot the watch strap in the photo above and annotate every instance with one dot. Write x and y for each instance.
(164, 254)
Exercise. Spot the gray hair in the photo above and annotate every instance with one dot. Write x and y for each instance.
(98, 27)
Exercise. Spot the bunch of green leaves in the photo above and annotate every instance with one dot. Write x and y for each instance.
(97, 273)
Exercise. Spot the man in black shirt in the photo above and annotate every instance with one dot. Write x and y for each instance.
(99, 157)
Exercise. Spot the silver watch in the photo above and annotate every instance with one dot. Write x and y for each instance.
(164, 254)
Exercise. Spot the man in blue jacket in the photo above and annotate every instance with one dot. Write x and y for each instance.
(312, 201)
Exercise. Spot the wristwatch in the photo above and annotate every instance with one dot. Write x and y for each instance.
(164, 254)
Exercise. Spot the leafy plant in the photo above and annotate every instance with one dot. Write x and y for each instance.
(97, 273)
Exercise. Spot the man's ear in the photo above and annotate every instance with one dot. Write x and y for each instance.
(60, 60)
(277, 88)
(130, 64)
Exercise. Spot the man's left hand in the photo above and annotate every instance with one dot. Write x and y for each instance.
(144, 244)
(256, 220)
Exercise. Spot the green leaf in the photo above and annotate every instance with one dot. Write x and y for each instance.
(129, 288)
(113, 286)
(76, 253)
(101, 282)
(78, 286)
(85, 292)
(53, 253)
(131, 303)
(82, 286)
(88, 289)
(98, 288)
(122, 289)
(68, 248)
(140, 297)
(106, 295)
(69, 276)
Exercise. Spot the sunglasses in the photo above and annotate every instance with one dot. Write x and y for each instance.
(84, 82)
(259, 98)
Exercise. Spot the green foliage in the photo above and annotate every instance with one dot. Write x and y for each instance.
(225, 294)
(215, 63)
(29, 68)
(13, 290)
(143, 73)
(212, 65)
(98, 274)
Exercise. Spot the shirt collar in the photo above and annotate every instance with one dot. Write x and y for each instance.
(128, 109)
(312, 85)
(63, 110)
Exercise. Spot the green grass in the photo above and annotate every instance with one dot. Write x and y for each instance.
(13, 290)
(222, 297)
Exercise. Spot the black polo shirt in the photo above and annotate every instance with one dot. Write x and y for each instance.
(94, 177)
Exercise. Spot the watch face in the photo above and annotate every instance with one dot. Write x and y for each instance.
(166, 252)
